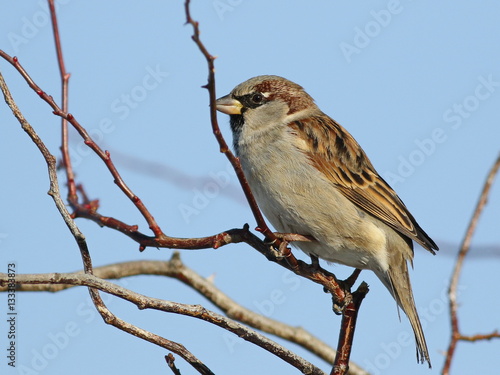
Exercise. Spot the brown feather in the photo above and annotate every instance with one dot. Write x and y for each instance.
(337, 155)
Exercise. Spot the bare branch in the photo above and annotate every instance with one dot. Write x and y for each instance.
(82, 244)
(488, 336)
(178, 270)
(103, 155)
(144, 302)
(346, 335)
(49, 159)
(464, 249)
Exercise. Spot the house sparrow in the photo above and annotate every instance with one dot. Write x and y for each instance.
(310, 176)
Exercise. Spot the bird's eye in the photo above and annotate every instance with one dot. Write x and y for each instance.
(257, 98)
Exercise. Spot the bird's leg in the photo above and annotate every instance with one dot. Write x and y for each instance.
(286, 238)
(291, 237)
(284, 251)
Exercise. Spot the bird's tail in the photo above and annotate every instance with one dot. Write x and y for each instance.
(397, 280)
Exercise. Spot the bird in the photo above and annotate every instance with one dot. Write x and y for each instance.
(309, 176)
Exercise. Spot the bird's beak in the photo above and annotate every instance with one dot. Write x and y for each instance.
(228, 105)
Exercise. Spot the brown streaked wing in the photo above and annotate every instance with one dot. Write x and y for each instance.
(337, 155)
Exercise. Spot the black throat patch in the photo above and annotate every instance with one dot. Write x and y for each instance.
(236, 122)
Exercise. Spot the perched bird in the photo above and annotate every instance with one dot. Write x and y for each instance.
(310, 177)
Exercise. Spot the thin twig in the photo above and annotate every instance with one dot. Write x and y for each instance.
(464, 249)
(70, 176)
(489, 336)
(346, 336)
(49, 159)
(210, 86)
(103, 155)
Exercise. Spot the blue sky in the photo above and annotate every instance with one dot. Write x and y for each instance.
(416, 82)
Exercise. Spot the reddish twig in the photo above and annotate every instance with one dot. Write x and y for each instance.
(490, 336)
(66, 160)
(346, 335)
(452, 291)
(103, 155)
(235, 162)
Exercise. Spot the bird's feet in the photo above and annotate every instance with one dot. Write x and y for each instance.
(341, 298)
(283, 251)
